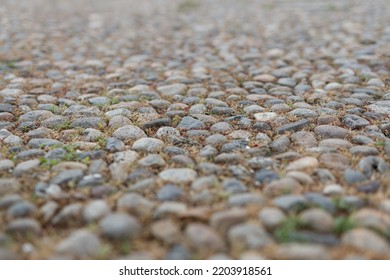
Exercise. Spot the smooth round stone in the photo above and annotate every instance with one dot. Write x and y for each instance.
(248, 236)
(150, 145)
(225, 219)
(23, 226)
(8, 200)
(129, 133)
(6, 165)
(166, 231)
(372, 219)
(13, 140)
(370, 164)
(119, 121)
(265, 117)
(251, 109)
(301, 177)
(190, 123)
(364, 151)
(304, 113)
(38, 143)
(280, 145)
(21, 209)
(302, 164)
(26, 167)
(203, 238)
(352, 177)
(152, 161)
(244, 199)
(216, 140)
(265, 176)
(170, 209)
(80, 244)
(282, 186)
(67, 177)
(331, 131)
(335, 143)
(333, 189)
(169, 192)
(167, 132)
(354, 121)
(271, 217)
(68, 215)
(366, 240)
(334, 161)
(290, 202)
(120, 226)
(369, 187)
(37, 115)
(232, 185)
(178, 175)
(95, 210)
(264, 78)
(136, 204)
(317, 219)
(304, 139)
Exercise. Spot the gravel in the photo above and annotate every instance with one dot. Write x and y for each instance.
(181, 130)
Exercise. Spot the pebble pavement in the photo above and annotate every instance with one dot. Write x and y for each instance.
(183, 129)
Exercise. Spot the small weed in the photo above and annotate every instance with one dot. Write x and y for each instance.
(104, 252)
(125, 247)
(71, 153)
(284, 233)
(342, 205)
(343, 224)
(48, 163)
(86, 160)
(102, 141)
(380, 143)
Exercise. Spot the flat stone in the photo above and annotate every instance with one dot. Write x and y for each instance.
(190, 123)
(331, 131)
(80, 244)
(290, 202)
(26, 167)
(204, 238)
(366, 240)
(302, 164)
(178, 175)
(150, 145)
(129, 133)
(120, 226)
(295, 126)
(265, 117)
(223, 220)
(248, 236)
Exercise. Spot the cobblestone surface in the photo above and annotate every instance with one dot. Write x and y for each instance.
(191, 129)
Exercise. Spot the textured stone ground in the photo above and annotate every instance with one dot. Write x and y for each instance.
(194, 129)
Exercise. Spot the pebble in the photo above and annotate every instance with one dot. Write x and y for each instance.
(248, 236)
(129, 133)
(331, 131)
(150, 145)
(178, 175)
(80, 244)
(366, 240)
(95, 210)
(202, 237)
(120, 226)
